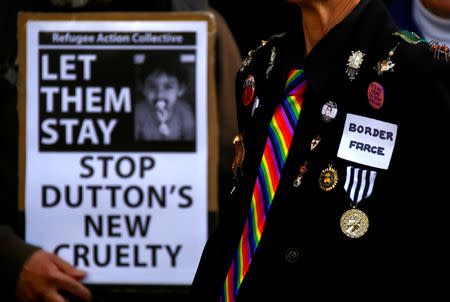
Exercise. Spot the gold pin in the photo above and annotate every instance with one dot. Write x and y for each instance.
(302, 169)
(328, 178)
(386, 65)
(249, 57)
(239, 154)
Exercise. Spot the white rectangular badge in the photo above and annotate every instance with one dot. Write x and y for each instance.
(367, 141)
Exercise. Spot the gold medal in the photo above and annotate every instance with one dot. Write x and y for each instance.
(328, 179)
(354, 223)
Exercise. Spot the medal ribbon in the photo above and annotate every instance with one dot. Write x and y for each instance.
(281, 131)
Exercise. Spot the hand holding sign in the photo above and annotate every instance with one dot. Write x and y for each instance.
(45, 274)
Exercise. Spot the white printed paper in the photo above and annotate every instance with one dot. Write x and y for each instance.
(367, 141)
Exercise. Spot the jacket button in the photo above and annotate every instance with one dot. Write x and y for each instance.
(292, 254)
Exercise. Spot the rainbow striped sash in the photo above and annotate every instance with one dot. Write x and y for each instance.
(281, 131)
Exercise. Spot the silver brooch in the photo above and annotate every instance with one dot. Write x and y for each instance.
(354, 63)
(246, 61)
(249, 57)
(273, 55)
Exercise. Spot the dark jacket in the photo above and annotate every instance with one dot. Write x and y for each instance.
(303, 255)
(13, 250)
(13, 254)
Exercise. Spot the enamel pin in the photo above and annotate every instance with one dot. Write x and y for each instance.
(386, 65)
(315, 141)
(301, 172)
(329, 111)
(440, 51)
(328, 179)
(375, 95)
(249, 90)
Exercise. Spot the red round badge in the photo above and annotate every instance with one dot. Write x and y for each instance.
(248, 93)
(375, 94)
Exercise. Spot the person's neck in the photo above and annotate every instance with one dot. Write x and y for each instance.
(319, 17)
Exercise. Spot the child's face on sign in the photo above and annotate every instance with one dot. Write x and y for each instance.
(160, 86)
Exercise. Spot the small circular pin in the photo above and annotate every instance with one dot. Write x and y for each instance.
(292, 255)
(328, 179)
(249, 90)
(329, 111)
(375, 95)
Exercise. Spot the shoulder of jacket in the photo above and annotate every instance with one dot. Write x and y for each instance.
(422, 50)
(418, 56)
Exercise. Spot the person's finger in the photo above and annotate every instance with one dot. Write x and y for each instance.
(67, 268)
(72, 286)
(53, 296)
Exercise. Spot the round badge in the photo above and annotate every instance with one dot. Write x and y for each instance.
(249, 90)
(354, 223)
(292, 255)
(375, 95)
(328, 179)
(329, 111)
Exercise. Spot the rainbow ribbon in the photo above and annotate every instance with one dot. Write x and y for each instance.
(281, 131)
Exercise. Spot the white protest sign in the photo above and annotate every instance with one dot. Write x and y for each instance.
(115, 168)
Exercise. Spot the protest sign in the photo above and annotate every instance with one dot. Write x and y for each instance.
(114, 148)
